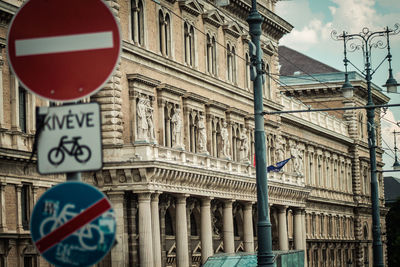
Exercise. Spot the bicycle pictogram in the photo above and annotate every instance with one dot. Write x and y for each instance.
(81, 153)
(90, 236)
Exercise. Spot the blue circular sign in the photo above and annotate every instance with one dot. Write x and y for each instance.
(73, 224)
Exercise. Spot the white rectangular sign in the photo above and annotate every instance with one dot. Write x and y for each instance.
(70, 140)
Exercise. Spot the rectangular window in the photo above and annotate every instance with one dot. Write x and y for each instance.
(22, 108)
(25, 205)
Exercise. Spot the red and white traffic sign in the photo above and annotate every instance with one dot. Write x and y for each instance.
(63, 50)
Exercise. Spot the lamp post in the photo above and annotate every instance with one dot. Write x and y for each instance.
(396, 164)
(368, 40)
(265, 257)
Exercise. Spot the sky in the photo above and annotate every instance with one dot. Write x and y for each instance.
(313, 22)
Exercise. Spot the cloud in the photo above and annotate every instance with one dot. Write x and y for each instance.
(390, 3)
(308, 35)
(397, 76)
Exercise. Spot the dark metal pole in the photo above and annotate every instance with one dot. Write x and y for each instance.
(376, 221)
(265, 256)
(74, 177)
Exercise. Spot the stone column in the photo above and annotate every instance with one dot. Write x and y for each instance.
(145, 231)
(229, 241)
(118, 258)
(3, 222)
(155, 225)
(304, 230)
(248, 236)
(18, 189)
(283, 228)
(182, 245)
(206, 230)
(34, 194)
(297, 231)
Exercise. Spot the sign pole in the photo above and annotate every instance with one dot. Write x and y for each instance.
(74, 177)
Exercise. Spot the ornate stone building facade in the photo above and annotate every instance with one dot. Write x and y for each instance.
(177, 128)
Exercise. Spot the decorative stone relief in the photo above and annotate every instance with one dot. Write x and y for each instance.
(297, 158)
(225, 146)
(279, 149)
(202, 142)
(244, 148)
(145, 120)
(177, 129)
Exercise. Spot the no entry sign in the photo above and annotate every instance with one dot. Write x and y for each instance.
(63, 50)
(73, 231)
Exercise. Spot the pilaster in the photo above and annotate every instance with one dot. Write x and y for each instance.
(206, 230)
(18, 189)
(182, 245)
(117, 252)
(248, 236)
(3, 222)
(283, 228)
(155, 225)
(145, 231)
(297, 229)
(229, 245)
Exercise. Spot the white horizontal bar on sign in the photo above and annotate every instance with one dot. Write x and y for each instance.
(64, 43)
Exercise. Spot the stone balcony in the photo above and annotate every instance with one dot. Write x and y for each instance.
(198, 163)
(321, 119)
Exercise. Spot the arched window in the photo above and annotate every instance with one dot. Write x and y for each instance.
(211, 55)
(22, 109)
(161, 31)
(229, 62)
(208, 53)
(247, 72)
(214, 56)
(189, 43)
(167, 35)
(234, 77)
(164, 33)
(137, 22)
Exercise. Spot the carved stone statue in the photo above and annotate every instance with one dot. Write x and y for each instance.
(279, 149)
(226, 146)
(150, 118)
(142, 125)
(202, 135)
(244, 148)
(297, 160)
(176, 128)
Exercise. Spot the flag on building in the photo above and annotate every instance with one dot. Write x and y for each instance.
(278, 166)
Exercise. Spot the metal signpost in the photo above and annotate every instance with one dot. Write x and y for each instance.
(64, 51)
(76, 231)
